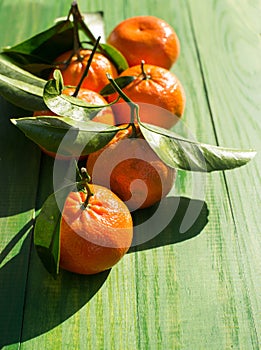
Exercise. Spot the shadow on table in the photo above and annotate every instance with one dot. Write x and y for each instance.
(176, 219)
(19, 164)
(33, 303)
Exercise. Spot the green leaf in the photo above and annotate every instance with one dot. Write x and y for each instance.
(65, 136)
(32, 64)
(37, 53)
(43, 40)
(19, 93)
(121, 82)
(67, 106)
(43, 47)
(47, 230)
(115, 56)
(21, 88)
(9, 69)
(178, 152)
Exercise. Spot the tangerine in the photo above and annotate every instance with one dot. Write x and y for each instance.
(95, 235)
(131, 169)
(146, 38)
(152, 86)
(72, 66)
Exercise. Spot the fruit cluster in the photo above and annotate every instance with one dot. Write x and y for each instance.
(157, 92)
(119, 101)
(126, 165)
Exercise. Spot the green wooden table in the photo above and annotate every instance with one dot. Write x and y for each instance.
(196, 290)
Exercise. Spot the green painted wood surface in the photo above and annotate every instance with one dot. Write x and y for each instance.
(201, 291)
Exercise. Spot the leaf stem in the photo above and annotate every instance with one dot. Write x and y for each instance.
(74, 11)
(133, 106)
(78, 19)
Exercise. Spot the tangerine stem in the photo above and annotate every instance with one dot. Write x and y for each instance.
(86, 179)
(85, 175)
(89, 194)
(134, 131)
(144, 74)
(85, 73)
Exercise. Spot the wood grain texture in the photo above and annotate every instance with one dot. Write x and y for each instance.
(232, 63)
(196, 290)
(19, 164)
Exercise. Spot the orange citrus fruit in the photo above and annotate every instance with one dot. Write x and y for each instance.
(105, 115)
(72, 67)
(94, 237)
(146, 38)
(131, 169)
(152, 86)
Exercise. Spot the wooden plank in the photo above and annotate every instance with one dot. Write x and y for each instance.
(19, 162)
(28, 18)
(235, 44)
(18, 187)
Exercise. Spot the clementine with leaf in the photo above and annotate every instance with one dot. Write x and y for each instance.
(131, 169)
(96, 231)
